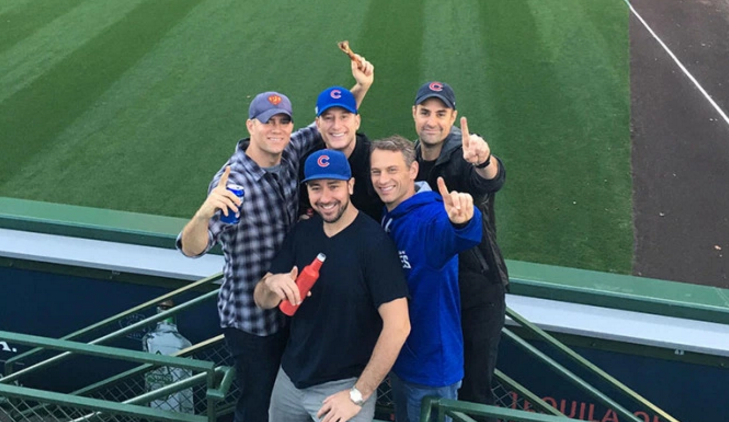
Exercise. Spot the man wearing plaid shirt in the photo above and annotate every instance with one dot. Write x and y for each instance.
(267, 166)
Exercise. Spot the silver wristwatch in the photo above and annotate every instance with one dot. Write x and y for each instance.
(356, 396)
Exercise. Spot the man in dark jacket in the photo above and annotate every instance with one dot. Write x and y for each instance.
(465, 162)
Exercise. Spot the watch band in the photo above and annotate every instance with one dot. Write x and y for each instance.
(484, 164)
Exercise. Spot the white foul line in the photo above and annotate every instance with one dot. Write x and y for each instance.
(680, 65)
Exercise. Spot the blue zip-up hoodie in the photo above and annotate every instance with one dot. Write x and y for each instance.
(428, 244)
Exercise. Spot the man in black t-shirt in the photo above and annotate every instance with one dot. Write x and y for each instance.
(347, 334)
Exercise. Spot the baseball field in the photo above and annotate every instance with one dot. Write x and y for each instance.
(133, 105)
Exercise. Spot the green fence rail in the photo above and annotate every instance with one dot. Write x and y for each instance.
(9, 364)
(437, 409)
(585, 364)
(503, 393)
(22, 404)
(203, 384)
(13, 375)
(130, 384)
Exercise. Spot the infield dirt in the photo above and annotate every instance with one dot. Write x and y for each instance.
(680, 155)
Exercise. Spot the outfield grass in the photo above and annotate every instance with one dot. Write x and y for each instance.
(134, 105)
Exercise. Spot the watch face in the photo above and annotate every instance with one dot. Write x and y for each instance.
(356, 397)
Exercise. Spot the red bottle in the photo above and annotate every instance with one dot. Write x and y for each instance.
(305, 281)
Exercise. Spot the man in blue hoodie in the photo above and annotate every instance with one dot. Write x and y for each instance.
(429, 231)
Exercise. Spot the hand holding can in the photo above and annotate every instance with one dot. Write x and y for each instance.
(234, 217)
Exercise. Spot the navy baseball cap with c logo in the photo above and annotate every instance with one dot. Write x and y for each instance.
(326, 164)
(435, 89)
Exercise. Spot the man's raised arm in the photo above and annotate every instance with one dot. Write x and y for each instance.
(194, 238)
(364, 77)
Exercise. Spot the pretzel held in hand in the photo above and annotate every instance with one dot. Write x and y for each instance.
(344, 46)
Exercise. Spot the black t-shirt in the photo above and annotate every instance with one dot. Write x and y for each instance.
(335, 330)
(424, 168)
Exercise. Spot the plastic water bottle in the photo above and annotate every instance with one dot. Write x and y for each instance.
(305, 281)
(166, 340)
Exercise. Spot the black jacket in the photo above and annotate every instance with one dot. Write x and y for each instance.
(364, 198)
(461, 176)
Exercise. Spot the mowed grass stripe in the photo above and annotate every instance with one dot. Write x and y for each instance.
(557, 141)
(392, 40)
(596, 76)
(23, 21)
(39, 52)
(9, 6)
(156, 136)
(539, 79)
(453, 52)
(596, 54)
(36, 114)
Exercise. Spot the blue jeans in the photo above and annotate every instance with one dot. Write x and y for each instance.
(408, 397)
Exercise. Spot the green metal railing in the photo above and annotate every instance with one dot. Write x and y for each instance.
(12, 375)
(208, 386)
(504, 393)
(29, 405)
(507, 394)
(9, 364)
(583, 363)
(131, 384)
(437, 409)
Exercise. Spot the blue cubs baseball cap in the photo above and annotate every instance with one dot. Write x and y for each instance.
(435, 89)
(335, 96)
(327, 164)
(269, 104)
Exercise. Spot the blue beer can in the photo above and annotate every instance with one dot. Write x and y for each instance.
(233, 218)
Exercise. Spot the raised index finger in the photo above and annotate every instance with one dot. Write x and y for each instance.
(464, 133)
(443, 190)
(224, 178)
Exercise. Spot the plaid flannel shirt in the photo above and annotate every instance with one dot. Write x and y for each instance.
(268, 212)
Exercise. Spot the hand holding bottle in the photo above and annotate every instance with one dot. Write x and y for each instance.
(304, 282)
(284, 285)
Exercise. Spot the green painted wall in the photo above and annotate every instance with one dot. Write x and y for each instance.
(528, 279)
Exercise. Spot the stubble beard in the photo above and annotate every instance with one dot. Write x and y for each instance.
(337, 216)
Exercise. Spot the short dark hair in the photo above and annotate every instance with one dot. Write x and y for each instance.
(396, 143)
